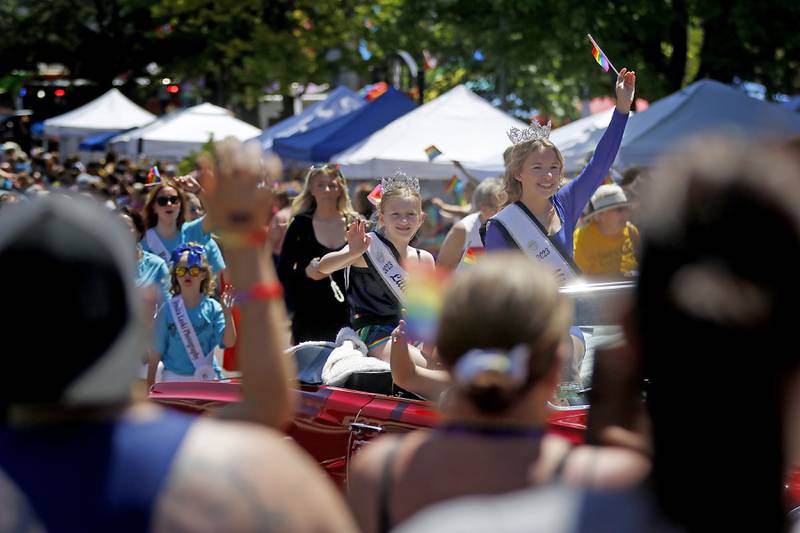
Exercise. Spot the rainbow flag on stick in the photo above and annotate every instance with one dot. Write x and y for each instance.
(451, 185)
(432, 152)
(472, 255)
(423, 303)
(600, 57)
(153, 176)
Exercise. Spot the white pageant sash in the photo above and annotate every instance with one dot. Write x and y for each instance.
(534, 242)
(203, 369)
(157, 246)
(389, 269)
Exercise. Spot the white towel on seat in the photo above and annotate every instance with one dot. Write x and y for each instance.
(349, 357)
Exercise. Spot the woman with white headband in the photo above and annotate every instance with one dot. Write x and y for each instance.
(500, 338)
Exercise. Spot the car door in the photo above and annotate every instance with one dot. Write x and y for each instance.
(387, 415)
(322, 422)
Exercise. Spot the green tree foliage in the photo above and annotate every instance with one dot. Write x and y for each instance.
(520, 54)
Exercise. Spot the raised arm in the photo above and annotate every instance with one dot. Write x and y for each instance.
(357, 243)
(238, 201)
(576, 194)
(452, 248)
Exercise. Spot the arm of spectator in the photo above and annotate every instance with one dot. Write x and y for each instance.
(421, 381)
(452, 248)
(452, 209)
(239, 204)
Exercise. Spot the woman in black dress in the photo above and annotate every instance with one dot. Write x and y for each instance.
(321, 213)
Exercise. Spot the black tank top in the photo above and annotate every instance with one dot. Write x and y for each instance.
(371, 301)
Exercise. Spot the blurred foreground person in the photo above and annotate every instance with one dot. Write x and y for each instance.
(73, 446)
(499, 337)
(713, 318)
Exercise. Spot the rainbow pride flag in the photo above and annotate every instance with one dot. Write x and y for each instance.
(432, 152)
(451, 185)
(423, 303)
(600, 57)
(472, 255)
(153, 176)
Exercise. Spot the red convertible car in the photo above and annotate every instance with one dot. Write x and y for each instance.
(332, 423)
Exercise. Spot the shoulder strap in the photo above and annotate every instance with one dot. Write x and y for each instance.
(385, 488)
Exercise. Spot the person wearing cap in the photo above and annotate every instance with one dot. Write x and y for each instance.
(607, 244)
(74, 451)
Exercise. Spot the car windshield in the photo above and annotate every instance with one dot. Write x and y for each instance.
(598, 308)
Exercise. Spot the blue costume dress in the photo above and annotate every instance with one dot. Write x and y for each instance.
(208, 321)
(572, 198)
(152, 270)
(193, 232)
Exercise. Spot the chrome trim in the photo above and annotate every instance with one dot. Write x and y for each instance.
(358, 427)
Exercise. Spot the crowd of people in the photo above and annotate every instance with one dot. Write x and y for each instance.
(150, 279)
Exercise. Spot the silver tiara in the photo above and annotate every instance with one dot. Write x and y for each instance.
(534, 132)
(400, 180)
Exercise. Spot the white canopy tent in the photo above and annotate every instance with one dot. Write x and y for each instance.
(705, 106)
(112, 111)
(173, 137)
(576, 141)
(461, 124)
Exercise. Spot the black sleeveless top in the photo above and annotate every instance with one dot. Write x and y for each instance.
(371, 301)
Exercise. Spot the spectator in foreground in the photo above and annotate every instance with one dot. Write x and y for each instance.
(121, 467)
(712, 319)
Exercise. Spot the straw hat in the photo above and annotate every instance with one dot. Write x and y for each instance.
(607, 197)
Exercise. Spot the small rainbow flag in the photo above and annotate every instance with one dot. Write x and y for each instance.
(153, 176)
(432, 152)
(472, 255)
(423, 303)
(375, 196)
(451, 185)
(599, 56)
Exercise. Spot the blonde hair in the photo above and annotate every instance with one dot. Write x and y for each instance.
(208, 284)
(516, 158)
(504, 300)
(305, 203)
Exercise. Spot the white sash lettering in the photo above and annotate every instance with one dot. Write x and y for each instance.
(392, 274)
(203, 369)
(533, 242)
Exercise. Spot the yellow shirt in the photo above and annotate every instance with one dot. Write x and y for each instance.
(602, 255)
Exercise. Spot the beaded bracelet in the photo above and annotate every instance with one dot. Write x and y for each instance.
(236, 239)
(261, 291)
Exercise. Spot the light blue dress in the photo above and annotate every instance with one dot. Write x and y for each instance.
(208, 321)
(152, 270)
(193, 232)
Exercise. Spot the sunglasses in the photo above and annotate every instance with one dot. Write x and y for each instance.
(164, 200)
(193, 271)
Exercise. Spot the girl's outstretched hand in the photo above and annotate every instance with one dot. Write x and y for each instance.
(227, 298)
(357, 238)
(626, 88)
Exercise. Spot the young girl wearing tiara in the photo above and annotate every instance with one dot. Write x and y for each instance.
(376, 261)
(191, 324)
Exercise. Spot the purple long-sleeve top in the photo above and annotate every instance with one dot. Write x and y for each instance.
(571, 199)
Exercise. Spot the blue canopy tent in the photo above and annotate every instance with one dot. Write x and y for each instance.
(339, 102)
(321, 143)
(98, 143)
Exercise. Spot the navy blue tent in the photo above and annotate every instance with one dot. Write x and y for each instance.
(339, 102)
(97, 143)
(321, 143)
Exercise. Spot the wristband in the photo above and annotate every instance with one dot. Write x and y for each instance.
(261, 291)
(241, 239)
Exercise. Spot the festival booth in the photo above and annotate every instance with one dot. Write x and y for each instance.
(322, 142)
(175, 136)
(111, 112)
(458, 126)
(340, 102)
(705, 106)
(576, 141)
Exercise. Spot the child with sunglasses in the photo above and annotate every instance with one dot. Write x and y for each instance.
(191, 324)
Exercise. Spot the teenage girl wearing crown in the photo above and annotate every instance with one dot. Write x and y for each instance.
(376, 263)
(191, 324)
